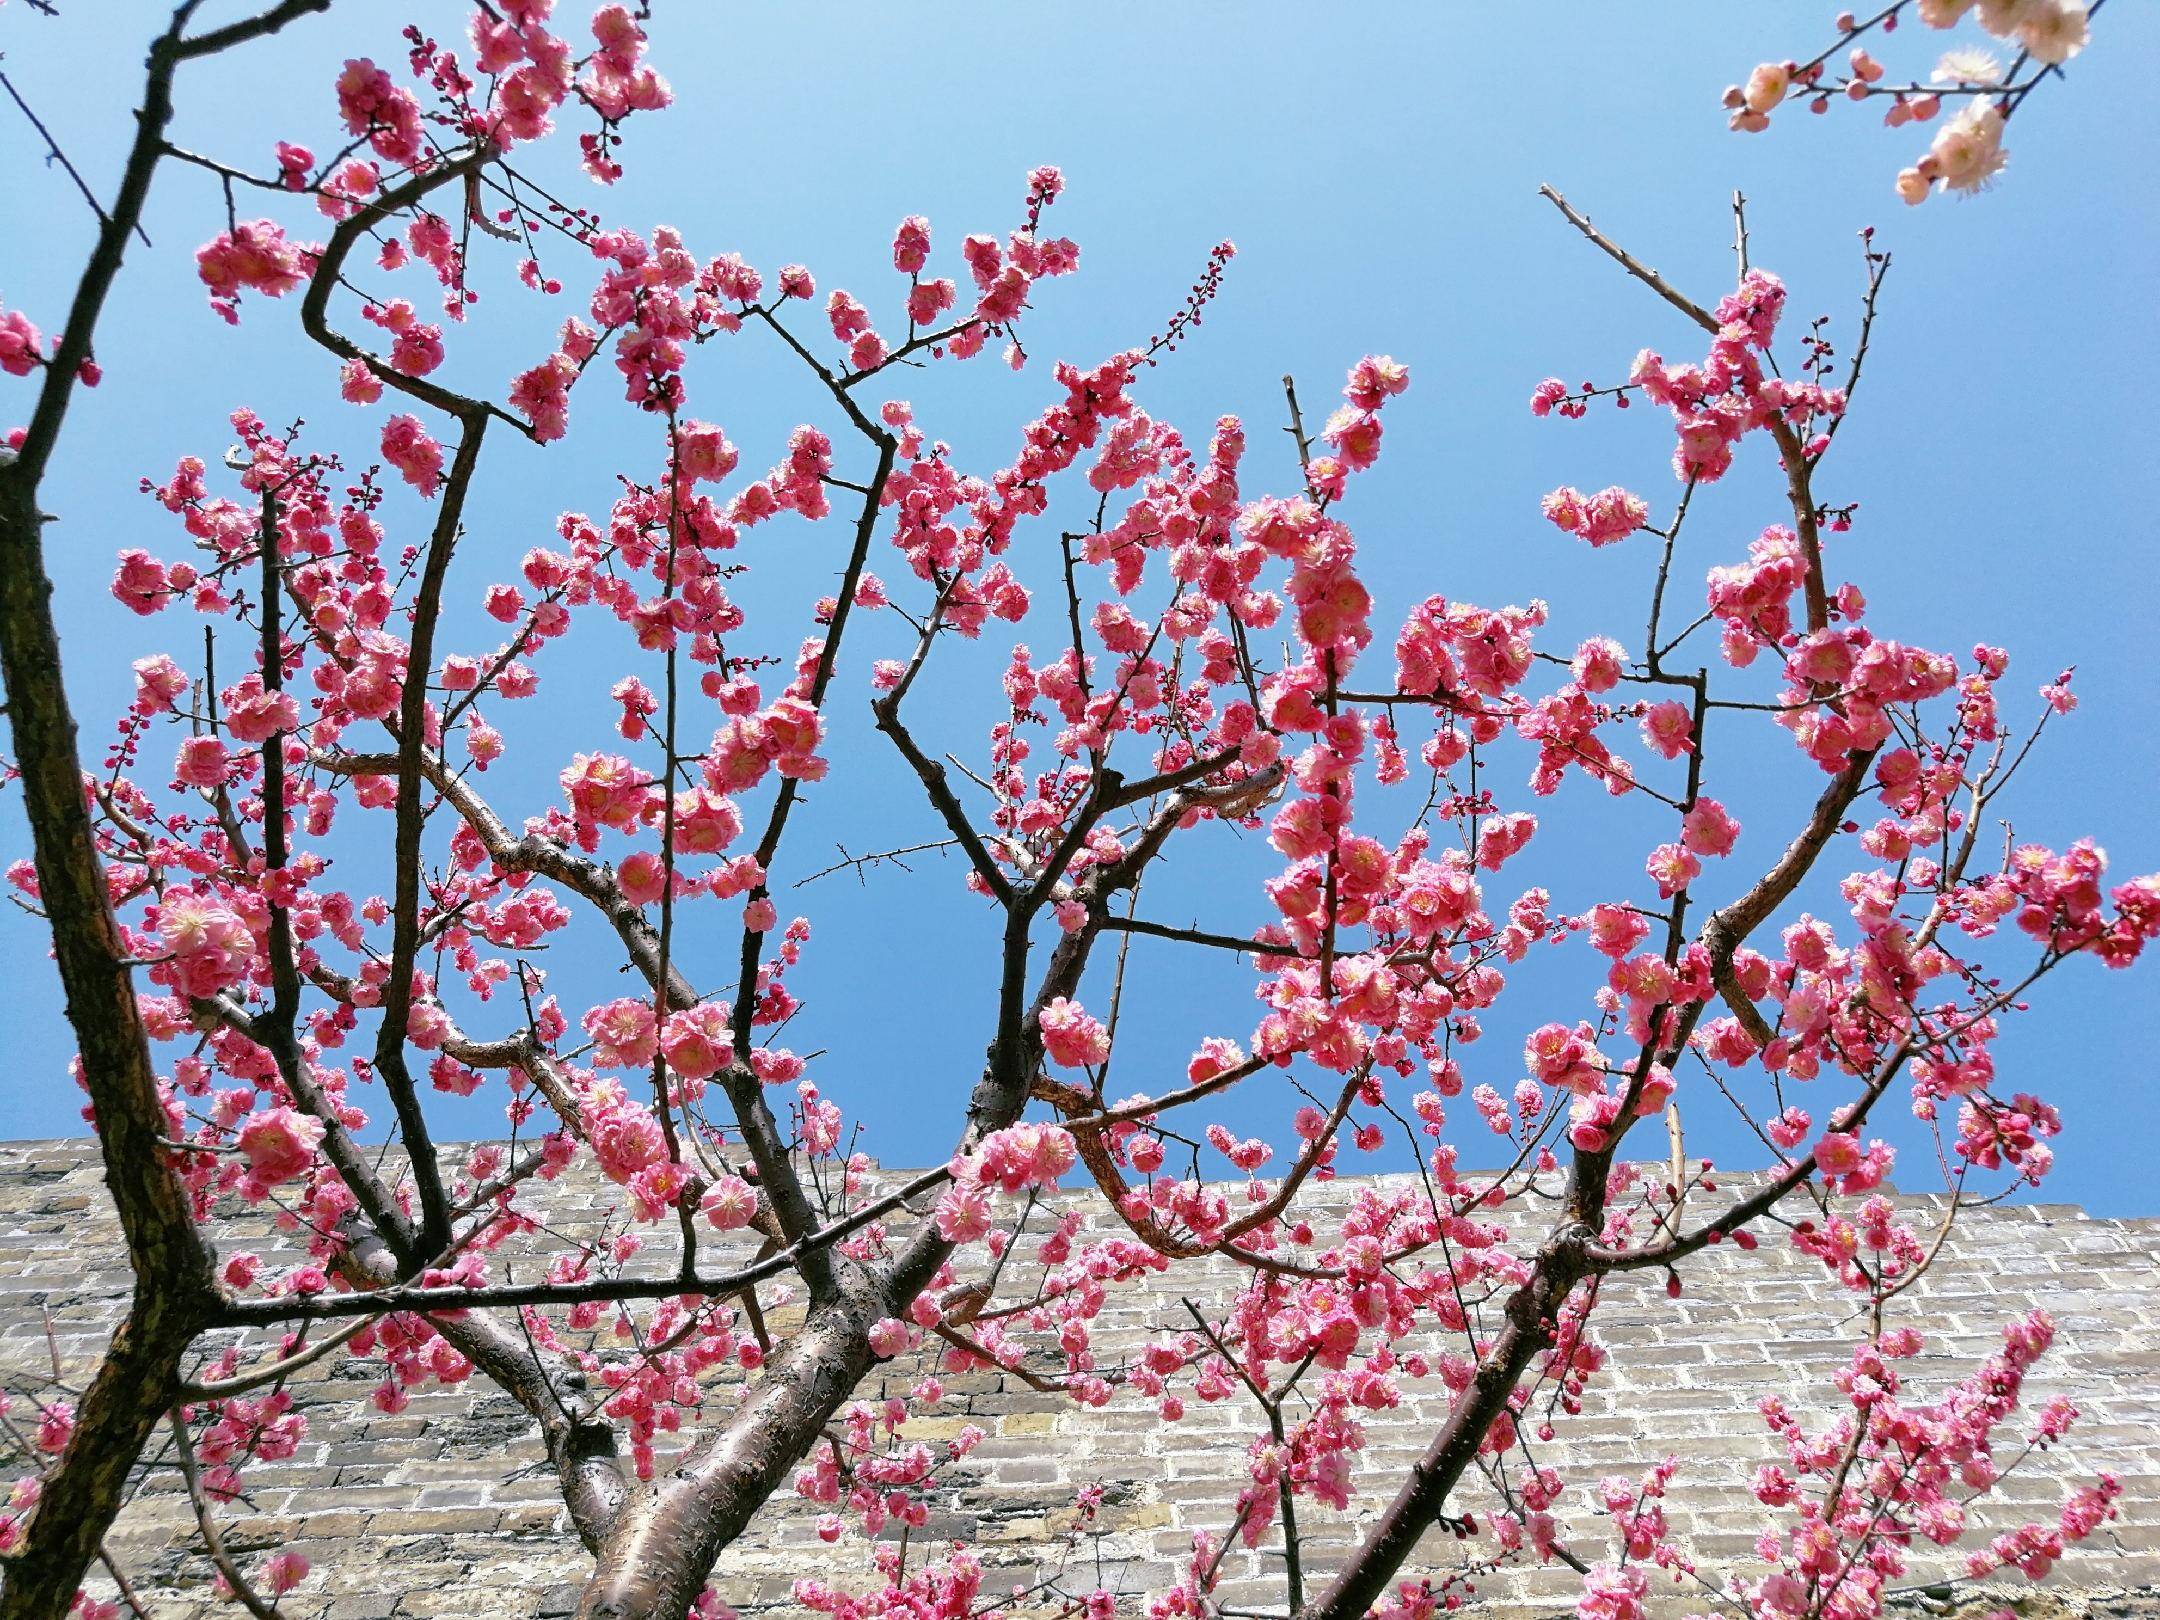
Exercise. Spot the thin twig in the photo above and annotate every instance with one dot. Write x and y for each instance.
(54, 154)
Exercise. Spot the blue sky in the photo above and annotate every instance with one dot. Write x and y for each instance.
(1377, 167)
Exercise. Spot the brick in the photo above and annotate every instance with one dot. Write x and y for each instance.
(449, 1508)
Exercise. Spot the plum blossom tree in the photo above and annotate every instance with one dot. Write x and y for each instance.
(245, 1011)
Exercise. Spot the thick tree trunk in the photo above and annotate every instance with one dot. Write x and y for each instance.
(175, 1286)
(136, 1384)
(666, 1538)
(174, 1290)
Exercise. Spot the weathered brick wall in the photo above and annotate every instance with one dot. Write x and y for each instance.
(447, 1510)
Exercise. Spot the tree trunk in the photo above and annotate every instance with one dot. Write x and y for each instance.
(136, 1384)
(667, 1537)
(1532, 1311)
(174, 1290)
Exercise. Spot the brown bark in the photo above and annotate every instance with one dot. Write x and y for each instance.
(581, 1450)
(1531, 1311)
(173, 1289)
(136, 1382)
(433, 1235)
(666, 1540)
(174, 1292)
(1567, 1257)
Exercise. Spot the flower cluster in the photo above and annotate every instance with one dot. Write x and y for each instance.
(1966, 153)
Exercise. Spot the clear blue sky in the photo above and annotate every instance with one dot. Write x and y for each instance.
(1377, 167)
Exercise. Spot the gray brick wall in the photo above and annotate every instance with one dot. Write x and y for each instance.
(447, 1510)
